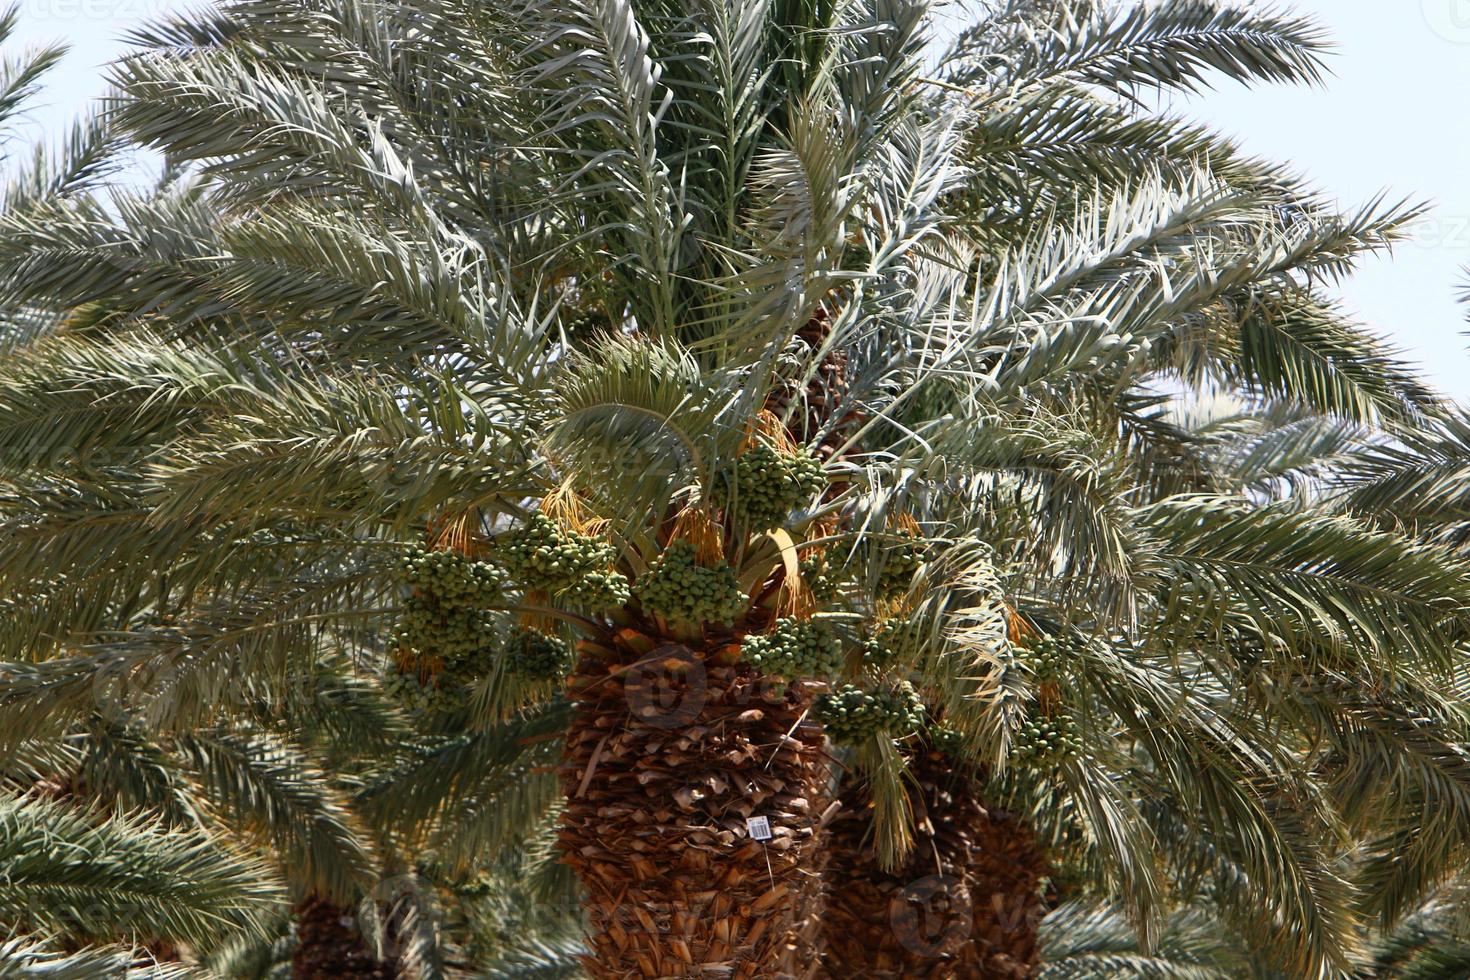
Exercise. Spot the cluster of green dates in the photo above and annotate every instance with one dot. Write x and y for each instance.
(538, 656)
(452, 577)
(768, 485)
(447, 690)
(584, 321)
(446, 614)
(417, 695)
(898, 562)
(821, 579)
(1050, 656)
(571, 567)
(885, 644)
(853, 714)
(681, 590)
(795, 649)
(1046, 740)
(432, 628)
(947, 740)
(449, 620)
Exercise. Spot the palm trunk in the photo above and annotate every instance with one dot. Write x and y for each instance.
(968, 904)
(805, 959)
(670, 752)
(329, 946)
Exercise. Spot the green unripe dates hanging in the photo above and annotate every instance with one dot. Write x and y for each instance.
(898, 562)
(1043, 740)
(433, 629)
(681, 590)
(821, 580)
(795, 649)
(439, 694)
(1051, 656)
(852, 714)
(445, 615)
(449, 575)
(538, 656)
(767, 485)
(947, 740)
(573, 568)
(885, 645)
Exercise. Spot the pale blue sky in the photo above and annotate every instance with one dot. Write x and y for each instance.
(1390, 119)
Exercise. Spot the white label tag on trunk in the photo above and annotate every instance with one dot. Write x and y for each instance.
(759, 827)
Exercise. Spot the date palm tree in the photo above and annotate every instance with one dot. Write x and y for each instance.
(703, 342)
(1323, 367)
(630, 433)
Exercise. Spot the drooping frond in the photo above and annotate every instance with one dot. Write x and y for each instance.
(23, 958)
(1297, 346)
(1172, 46)
(69, 874)
(270, 790)
(1083, 942)
(475, 794)
(1418, 480)
(1303, 577)
(21, 76)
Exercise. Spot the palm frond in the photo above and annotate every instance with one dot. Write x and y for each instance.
(24, 958)
(269, 789)
(1173, 45)
(1094, 942)
(1304, 577)
(68, 874)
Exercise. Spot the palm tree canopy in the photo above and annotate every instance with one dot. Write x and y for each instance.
(432, 267)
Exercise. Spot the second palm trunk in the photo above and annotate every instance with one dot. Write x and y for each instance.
(329, 944)
(967, 904)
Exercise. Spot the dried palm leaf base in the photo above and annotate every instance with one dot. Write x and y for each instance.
(330, 947)
(669, 754)
(809, 930)
(967, 905)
